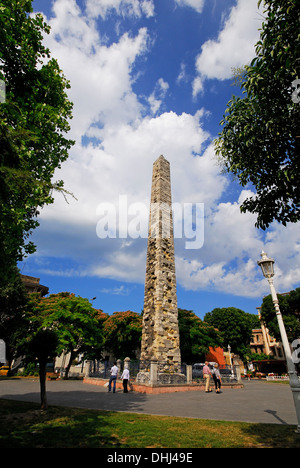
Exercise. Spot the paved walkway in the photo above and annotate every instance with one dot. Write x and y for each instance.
(258, 402)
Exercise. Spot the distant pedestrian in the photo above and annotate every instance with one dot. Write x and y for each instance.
(217, 378)
(207, 375)
(113, 377)
(125, 378)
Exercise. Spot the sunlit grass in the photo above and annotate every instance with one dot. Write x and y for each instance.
(23, 425)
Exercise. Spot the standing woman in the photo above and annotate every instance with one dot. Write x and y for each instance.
(125, 378)
(217, 378)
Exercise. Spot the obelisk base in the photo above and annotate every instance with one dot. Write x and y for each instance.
(162, 379)
(158, 374)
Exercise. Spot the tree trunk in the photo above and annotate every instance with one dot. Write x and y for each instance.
(42, 373)
(72, 356)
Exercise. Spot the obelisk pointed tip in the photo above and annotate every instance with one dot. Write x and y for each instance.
(161, 158)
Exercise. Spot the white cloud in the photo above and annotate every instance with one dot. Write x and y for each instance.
(283, 244)
(197, 86)
(114, 153)
(135, 8)
(234, 46)
(118, 291)
(100, 75)
(227, 261)
(195, 4)
(182, 74)
(122, 164)
(156, 97)
(70, 29)
(232, 246)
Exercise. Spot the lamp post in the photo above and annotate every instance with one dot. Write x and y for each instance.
(230, 361)
(266, 265)
(229, 354)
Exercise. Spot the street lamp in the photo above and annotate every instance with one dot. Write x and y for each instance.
(230, 361)
(229, 355)
(266, 265)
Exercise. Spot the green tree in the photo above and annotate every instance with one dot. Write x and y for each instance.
(43, 347)
(260, 140)
(13, 302)
(123, 334)
(34, 120)
(235, 327)
(196, 337)
(290, 310)
(78, 326)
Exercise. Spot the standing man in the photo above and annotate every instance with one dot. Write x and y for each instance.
(113, 377)
(206, 375)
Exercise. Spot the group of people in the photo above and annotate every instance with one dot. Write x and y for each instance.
(215, 374)
(207, 374)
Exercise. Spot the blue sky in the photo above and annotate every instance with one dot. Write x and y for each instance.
(152, 77)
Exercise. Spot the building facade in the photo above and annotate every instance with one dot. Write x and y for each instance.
(32, 285)
(263, 343)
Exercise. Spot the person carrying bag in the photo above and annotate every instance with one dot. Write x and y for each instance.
(217, 378)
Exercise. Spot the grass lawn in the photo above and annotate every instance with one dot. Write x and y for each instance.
(23, 425)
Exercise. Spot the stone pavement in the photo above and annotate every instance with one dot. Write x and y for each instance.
(258, 401)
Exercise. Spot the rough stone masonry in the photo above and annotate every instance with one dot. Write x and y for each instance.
(160, 338)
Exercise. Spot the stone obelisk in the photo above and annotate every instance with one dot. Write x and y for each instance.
(160, 337)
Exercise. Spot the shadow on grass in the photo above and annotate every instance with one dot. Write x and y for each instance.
(24, 425)
(272, 435)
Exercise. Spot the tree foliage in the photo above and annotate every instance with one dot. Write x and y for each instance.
(260, 139)
(290, 310)
(123, 334)
(78, 326)
(196, 337)
(34, 119)
(235, 327)
(13, 302)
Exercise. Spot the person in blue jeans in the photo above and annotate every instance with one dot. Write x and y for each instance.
(113, 377)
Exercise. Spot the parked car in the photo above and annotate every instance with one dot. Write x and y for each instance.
(4, 370)
(197, 371)
(228, 375)
(225, 372)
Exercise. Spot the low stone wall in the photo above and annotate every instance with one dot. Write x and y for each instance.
(156, 389)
